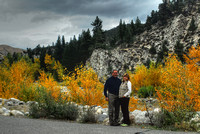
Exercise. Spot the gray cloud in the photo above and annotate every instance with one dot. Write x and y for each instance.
(107, 8)
(34, 21)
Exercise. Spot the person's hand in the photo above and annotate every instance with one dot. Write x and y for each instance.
(106, 98)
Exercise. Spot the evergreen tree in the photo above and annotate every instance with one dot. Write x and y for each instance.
(154, 17)
(192, 27)
(30, 54)
(10, 58)
(98, 34)
(163, 52)
(42, 58)
(148, 22)
(128, 35)
(49, 50)
(58, 54)
(164, 13)
(63, 41)
(121, 32)
(152, 50)
(37, 50)
(132, 28)
(138, 26)
(86, 43)
(179, 50)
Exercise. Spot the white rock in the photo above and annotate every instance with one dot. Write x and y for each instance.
(5, 111)
(86, 107)
(1, 111)
(140, 117)
(9, 103)
(99, 111)
(6, 114)
(31, 102)
(106, 121)
(16, 113)
(157, 110)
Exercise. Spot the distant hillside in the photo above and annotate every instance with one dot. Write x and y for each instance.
(5, 49)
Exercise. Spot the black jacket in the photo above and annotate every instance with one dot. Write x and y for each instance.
(112, 86)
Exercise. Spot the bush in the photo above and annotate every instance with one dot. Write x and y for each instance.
(145, 92)
(49, 107)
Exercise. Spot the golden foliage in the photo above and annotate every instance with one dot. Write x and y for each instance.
(15, 77)
(180, 84)
(143, 76)
(52, 64)
(48, 82)
(85, 87)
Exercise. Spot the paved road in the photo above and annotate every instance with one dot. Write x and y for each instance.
(12, 125)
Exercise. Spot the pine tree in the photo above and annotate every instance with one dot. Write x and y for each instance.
(148, 22)
(42, 57)
(63, 41)
(58, 54)
(121, 30)
(86, 43)
(98, 34)
(179, 50)
(154, 17)
(132, 28)
(138, 26)
(163, 52)
(128, 35)
(164, 13)
(30, 54)
(152, 50)
(192, 27)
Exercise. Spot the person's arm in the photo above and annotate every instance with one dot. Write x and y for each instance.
(106, 89)
(129, 90)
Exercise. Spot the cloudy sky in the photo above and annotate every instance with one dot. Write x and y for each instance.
(27, 23)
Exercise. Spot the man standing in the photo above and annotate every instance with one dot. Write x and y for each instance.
(112, 86)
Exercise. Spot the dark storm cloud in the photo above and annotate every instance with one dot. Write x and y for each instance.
(107, 8)
(32, 22)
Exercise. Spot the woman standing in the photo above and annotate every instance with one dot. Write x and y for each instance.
(124, 97)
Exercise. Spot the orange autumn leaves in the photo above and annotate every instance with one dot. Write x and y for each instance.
(15, 77)
(177, 84)
(180, 87)
(143, 76)
(84, 87)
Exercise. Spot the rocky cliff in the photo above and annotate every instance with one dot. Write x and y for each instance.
(128, 56)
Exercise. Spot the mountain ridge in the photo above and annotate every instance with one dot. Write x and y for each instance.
(5, 49)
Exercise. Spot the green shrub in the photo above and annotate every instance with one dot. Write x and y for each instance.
(48, 107)
(88, 116)
(145, 92)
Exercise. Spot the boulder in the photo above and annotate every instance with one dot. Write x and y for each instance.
(99, 111)
(140, 117)
(106, 122)
(4, 111)
(16, 113)
(101, 117)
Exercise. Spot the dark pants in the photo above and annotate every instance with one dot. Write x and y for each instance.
(124, 102)
(113, 109)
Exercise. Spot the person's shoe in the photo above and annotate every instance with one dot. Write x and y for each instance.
(124, 125)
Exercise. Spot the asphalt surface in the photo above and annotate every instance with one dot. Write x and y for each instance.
(13, 125)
